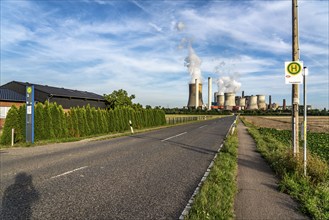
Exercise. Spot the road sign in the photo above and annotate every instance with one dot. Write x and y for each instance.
(293, 72)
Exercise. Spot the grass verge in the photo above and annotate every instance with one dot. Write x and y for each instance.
(312, 191)
(216, 197)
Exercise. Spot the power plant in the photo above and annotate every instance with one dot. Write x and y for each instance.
(228, 100)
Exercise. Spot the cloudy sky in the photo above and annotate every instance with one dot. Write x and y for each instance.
(140, 46)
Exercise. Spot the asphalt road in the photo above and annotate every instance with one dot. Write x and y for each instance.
(143, 176)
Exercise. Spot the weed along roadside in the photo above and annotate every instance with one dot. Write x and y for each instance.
(215, 199)
(312, 191)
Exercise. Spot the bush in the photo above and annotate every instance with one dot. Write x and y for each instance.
(11, 122)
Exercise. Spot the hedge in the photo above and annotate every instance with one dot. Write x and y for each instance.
(51, 122)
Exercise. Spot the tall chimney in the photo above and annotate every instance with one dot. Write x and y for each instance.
(242, 94)
(196, 94)
(270, 102)
(209, 92)
(284, 104)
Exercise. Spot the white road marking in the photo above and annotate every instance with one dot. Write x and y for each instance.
(68, 172)
(203, 126)
(174, 136)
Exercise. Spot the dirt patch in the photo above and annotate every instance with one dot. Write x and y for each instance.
(314, 123)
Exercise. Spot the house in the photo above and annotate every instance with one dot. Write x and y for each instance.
(13, 93)
(9, 98)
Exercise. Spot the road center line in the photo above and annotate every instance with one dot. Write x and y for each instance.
(203, 126)
(174, 136)
(68, 172)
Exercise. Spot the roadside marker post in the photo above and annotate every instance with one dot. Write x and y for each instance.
(12, 136)
(131, 127)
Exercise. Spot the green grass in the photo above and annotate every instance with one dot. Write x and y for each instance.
(216, 197)
(312, 191)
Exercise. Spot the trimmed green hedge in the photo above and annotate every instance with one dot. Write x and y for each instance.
(51, 122)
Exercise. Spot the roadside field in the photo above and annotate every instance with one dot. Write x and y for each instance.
(314, 123)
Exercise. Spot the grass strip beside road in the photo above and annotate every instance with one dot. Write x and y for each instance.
(312, 191)
(216, 197)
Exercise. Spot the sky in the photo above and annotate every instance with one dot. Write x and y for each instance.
(141, 46)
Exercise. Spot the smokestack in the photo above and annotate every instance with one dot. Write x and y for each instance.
(192, 95)
(209, 92)
(270, 102)
(242, 94)
(196, 94)
(284, 106)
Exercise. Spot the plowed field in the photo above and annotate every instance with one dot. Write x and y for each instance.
(314, 123)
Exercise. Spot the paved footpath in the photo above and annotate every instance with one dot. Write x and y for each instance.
(258, 196)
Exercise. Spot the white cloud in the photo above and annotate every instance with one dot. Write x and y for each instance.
(101, 52)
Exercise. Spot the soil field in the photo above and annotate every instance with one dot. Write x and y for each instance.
(314, 123)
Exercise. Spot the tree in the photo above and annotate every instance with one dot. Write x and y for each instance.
(11, 122)
(39, 126)
(119, 98)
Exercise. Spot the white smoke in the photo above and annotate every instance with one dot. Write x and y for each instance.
(228, 84)
(227, 81)
(193, 63)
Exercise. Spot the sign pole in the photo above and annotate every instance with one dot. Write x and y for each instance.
(305, 73)
(30, 114)
(295, 98)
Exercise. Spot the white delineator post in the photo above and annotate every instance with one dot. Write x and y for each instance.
(209, 92)
(12, 136)
(196, 94)
(131, 127)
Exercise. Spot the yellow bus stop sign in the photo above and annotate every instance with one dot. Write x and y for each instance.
(293, 72)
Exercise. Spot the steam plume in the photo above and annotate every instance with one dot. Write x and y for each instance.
(228, 84)
(193, 63)
(227, 78)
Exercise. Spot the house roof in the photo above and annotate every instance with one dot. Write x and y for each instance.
(66, 97)
(9, 95)
(62, 92)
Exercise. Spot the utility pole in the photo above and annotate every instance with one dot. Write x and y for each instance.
(295, 95)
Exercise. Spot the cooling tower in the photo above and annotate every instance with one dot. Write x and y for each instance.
(252, 105)
(215, 97)
(229, 100)
(192, 96)
(261, 102)
(242, 103)
(220, 100)
(237, 98)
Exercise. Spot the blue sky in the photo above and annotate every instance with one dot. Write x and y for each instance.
(102, 45)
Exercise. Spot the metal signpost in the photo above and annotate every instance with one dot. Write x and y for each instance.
(305, 73)
(30, 114)
(294, 76)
